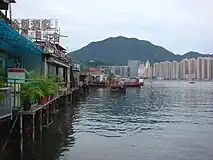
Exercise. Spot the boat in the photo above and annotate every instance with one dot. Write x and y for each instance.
(132, 82)
(191, 82)
(141, 81)
(118, 88)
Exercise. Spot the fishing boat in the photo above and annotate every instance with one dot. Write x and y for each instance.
(141, 81)
(118, 88)
(132, 82)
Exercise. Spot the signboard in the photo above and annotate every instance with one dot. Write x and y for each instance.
(38, 29)
(16, 75)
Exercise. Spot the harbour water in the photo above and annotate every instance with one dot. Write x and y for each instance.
(164, 120)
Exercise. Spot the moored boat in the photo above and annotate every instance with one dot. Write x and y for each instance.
(132, 82)
(191, 82)
(117, 88)
(141, 81)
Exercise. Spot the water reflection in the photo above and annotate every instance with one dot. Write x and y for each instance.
(163, 120)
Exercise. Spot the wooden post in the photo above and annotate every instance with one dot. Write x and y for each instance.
(67, 97)
(40, 121)
(21, 136)
(71, 97)
(47, 116)
(33, 134)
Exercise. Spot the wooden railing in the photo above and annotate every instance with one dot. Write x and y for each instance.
(15, 88)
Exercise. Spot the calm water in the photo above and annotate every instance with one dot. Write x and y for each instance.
(160, 121)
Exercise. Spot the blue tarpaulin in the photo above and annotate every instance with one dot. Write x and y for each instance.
(16, 44)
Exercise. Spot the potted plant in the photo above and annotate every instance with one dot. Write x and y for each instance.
(30, 91)
(49, 87)
(54, 82)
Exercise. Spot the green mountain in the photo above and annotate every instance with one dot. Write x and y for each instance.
(192, 54)
(118, 50)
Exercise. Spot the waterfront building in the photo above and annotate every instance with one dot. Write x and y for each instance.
(148, 64)
(199, 68)
(124, 71)
(141, 70)
(149, 73)
(204, 68)
(155, 70)
(184, 69)
(120, 71)
(209, 68)
(192, 67)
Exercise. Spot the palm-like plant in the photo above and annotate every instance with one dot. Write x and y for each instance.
(30, 91)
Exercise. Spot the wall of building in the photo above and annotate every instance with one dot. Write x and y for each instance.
(200, 68)
(133, 68)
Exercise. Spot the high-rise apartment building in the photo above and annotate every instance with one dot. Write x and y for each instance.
(204, 68)
(209, 68)
(120, 71)
(192, 68)
(133, 68)
(199, 68)
(141, 70)
(184, 69)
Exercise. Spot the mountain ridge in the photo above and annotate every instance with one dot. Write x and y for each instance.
(118, 50)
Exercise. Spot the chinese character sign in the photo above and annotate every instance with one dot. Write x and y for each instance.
(38, 29)
(46, 24)
(35, 24)
(25, 23)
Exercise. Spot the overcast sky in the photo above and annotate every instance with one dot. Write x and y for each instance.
(178, 25)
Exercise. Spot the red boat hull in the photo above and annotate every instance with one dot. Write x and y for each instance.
(129, 84)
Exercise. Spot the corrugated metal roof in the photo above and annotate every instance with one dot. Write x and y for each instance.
(14, 42)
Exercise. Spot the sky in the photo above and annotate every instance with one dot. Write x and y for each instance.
(178, 25)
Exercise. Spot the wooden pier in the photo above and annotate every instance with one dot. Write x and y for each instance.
(39, 116)
(45, 114)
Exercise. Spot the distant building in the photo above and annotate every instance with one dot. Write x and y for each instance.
(133, 67)
(120, 71)
(124, 71)
(148, 64)
(141, 70)
(192, 66)
(204, 68)
(199, 68)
